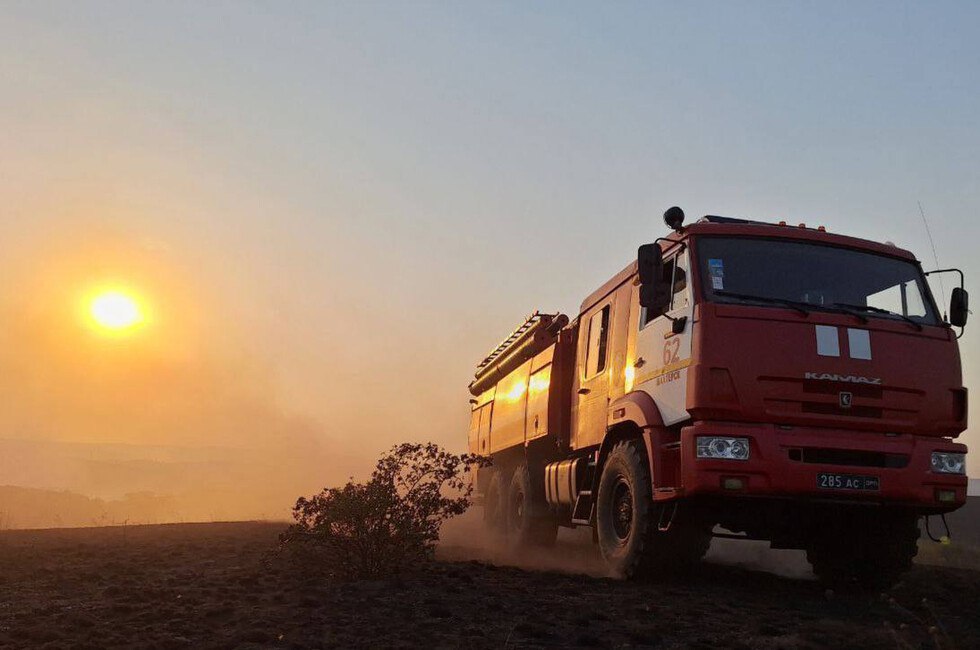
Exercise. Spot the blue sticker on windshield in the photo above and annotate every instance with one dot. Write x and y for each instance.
(716, 269)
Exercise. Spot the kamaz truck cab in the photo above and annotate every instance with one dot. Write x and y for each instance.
(744, 379)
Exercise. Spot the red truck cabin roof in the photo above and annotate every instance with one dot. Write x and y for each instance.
(753, 229)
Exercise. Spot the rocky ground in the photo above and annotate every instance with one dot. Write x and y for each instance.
(212, 585)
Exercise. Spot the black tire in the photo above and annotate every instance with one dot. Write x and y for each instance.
(864, 550)
(528, 521)
(627, 520)
(493, 506)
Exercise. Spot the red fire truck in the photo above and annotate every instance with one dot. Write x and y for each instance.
(741, 379)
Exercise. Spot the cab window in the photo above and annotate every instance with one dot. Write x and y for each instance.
(904, 298)
(595, 355)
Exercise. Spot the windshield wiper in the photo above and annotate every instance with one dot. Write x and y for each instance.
(792, 304)
(847, 310)
(879, 310)
(802, 307)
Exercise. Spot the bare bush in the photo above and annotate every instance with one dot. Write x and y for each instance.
(378, 528)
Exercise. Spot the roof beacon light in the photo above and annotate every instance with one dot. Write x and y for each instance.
(674, 218)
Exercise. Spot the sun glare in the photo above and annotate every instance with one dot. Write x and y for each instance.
(115, 310)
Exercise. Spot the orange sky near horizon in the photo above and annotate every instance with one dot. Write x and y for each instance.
(197, 373)
(331, 212)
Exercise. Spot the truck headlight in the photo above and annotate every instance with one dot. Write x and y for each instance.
(718, 447)
(944, 462)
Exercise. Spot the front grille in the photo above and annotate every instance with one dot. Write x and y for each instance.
(848, 457)
(868, 391)
(814, 402)
(835, 409)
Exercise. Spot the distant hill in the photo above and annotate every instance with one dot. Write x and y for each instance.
(54, 483)
(22, 507)
(110, 471)
(32, 508)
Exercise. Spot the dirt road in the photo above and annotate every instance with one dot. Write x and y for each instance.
(207, 585)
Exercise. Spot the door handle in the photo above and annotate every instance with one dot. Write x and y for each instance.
(677, 327)
(639, 362)
(584, 391)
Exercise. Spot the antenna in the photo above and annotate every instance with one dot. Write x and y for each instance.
(935, 255)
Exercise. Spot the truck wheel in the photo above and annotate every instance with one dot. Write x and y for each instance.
(623, 509)
(528, 524)
(626, 521)
(865, 550)
(493, 510)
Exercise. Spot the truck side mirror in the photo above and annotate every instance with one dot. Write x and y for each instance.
(654, 298)
(959, 307)
(650, 262)
(650, 267)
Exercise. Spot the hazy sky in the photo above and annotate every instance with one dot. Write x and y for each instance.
(334, 209)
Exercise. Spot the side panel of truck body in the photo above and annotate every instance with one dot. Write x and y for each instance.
(538, 392)
(528, 404)
(510, 409)
(480, 417)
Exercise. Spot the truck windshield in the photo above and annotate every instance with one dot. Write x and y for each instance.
(807, 276)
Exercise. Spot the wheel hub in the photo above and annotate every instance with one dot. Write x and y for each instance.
(622, 510)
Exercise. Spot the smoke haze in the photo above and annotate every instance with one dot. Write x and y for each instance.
(177, 422)
(331, 211)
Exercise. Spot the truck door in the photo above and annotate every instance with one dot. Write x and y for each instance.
(483, 436)
(592, 394)
(663, 356)
(480, 423)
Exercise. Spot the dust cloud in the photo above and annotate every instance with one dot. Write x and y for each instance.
(465, 538)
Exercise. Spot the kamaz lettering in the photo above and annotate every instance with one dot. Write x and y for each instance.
(846, 379)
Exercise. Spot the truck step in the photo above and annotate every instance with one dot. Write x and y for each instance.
(582, 512)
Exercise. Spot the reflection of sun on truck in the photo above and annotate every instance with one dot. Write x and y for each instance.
(779, 382)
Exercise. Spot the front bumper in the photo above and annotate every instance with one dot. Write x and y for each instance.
(781, 464)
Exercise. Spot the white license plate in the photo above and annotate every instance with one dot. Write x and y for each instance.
(829, 481)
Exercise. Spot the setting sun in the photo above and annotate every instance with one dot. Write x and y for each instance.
(115, 310)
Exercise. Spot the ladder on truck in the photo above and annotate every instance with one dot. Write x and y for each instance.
(515, 336)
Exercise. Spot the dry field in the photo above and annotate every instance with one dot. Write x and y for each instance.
(211, 585)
